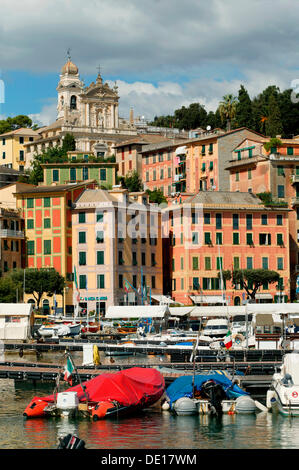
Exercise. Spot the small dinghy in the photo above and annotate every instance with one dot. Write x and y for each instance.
(56, 330)
(208, 393)
(283, 396)
(107, 395)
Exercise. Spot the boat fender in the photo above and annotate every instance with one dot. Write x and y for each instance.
(100, 410)
(165, 406)
(270, 399)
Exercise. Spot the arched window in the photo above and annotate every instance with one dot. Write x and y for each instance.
(237, 301)
(46, 307)
(73, 104)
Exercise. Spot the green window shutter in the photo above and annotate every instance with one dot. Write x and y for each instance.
(47, 202)
(195, 262)
(239, 154)
(211, 165)
(103, 174)
(219, 262)
(207, 263)
(47, 223)
(47, 247)
(82, 237)
(290, 151)
(30, 247)
(82, 258)
(85, 173)
(235, 239)
(73, 176)
(82, 281)
(249, 263)
(30, 223)
(100, 257)
(207, 238)
(280, 239)
(100, 236)
(250, 153)
(203, 149)
(280, 190)
(211, 148)
(55, 175)
(249, 238)
(101, 281)
(194, 238)
(280, 263)
(248, 221)
(280, 171)
(100, 217)
(218, 238)
(218, 220)
(82, 217)
(236, 262)
(203, 168)
(264, 219)
(265, 263)
(279, 220)
(173, 264)
(195, 283)
(235, 221)
(207, 218)
(30, 203)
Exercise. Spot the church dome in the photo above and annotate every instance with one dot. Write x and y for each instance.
(69, 68)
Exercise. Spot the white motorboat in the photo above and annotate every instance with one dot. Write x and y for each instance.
(216, 328)
(59, 330)
(283, 396)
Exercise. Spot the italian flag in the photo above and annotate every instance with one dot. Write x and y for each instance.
(228, 342)
(68, 371)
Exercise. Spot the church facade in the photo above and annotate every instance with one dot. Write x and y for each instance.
(90, 113)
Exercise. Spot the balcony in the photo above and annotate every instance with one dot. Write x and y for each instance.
(6, 233)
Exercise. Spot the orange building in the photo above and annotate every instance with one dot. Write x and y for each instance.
(217, 229)
(47, 211)
(276, 171)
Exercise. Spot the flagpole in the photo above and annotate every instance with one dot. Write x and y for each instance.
(79, 378)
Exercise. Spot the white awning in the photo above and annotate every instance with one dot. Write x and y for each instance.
(137, 311)
(16, 309)
(163, 299)
(208, 299)
(180, 311)
(217, 311)
(181, 150)
(263, 296)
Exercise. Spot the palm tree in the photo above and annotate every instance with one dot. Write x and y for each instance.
(227, 109)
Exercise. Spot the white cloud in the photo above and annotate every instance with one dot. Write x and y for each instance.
(46, 116)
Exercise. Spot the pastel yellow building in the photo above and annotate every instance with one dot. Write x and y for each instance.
(13, 150)
(117, 249)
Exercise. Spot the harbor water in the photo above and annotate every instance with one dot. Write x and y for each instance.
(151, 429)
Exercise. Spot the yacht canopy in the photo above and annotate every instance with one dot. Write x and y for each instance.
(221, 311)
(208, 299)
(138, 311)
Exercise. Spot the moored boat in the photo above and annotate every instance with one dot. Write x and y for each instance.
(59, 330)
(210, 393)
(283, 395)
(107, 395)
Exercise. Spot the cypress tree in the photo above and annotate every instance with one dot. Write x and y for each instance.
(273, 124)
(244, 115)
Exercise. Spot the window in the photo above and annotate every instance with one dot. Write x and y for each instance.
(30, 224)
(207, 218)
(249, 175)
(55, 175)
(120, 281)
(143, 260)
(279, 238)
(73, 102)
(235, 221)
(290, 151)
(249, 221)
(182, 262)
(249, 239)
(82, 281)
(195, 282)
(3, 155)
(218, 220)
(3, 141)
(236, 239)
(218, 238)
(82, 237)
(207, 263)
(211, 166)
(103, 175)
(280, 190)
(265, 238)
(249, 262)
(100, 217)
(73, 174)
(101, 281)
(30, 247)
(47, 247)
(30, 203)
(82, 217)
(21, 140)
(250, 153)
(21, 155)
(85, 173)
(134, 280)
(100, 236)
(208, 240)
(239, 154)
(279, 219)
(194, 238)
(280, 171)
(153, 282)
(203, 168)
(195, 263)
(47, 223)
(280, 263)
(265, 263)
(236, 262)
(264, 219)
(182, 283)
(211, 148)
(100, 257)
(219, 262)
(82, 258)
(237, 176)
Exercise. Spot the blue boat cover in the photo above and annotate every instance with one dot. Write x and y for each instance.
(183, 386)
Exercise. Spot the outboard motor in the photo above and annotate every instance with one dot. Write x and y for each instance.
(71, 442)
(215, 395)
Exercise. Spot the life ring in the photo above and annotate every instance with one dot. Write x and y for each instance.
(238, 338)
(295, 394)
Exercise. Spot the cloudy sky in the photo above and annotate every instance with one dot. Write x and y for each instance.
(163, 54)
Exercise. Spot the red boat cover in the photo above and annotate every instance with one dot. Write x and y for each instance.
(131, 387)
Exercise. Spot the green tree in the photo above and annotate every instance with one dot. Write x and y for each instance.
(156, 196)
(273, 123)
(68, 143)
(244, 117)
(10, 290)
(251, 279)
(13, 123)
(227, 109)
(132, 182)
(39, 282)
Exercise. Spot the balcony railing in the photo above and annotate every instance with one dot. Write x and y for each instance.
(7, 233)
